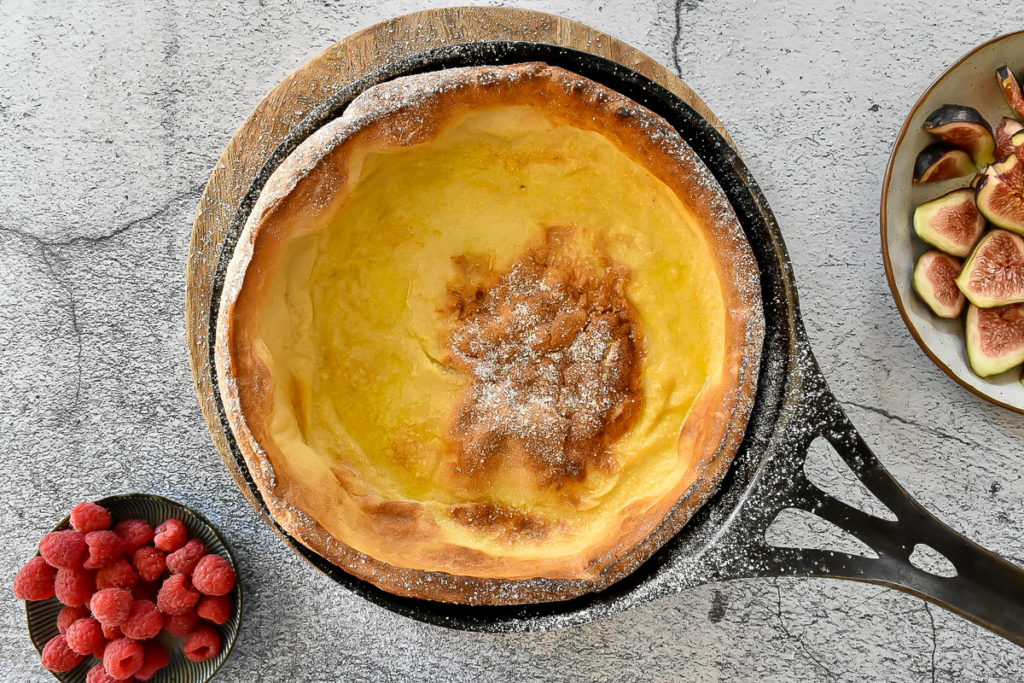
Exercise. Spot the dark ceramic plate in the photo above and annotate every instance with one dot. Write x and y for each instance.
(42, 614)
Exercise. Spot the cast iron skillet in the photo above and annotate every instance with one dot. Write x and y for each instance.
(794, 406)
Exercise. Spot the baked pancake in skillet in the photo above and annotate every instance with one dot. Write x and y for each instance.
(490, 337)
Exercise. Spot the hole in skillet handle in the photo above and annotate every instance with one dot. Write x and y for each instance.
(681, 562)
(42, 614)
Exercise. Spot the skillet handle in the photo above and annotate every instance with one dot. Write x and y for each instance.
(986, 589)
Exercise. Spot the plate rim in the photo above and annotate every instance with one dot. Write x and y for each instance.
(884, 232)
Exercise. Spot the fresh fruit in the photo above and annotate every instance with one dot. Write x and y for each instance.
(144, 621)
(995, 338)
(58, 657)
(994, 274)
(1000, 193)
(938, 161)
(180, 625)
(1011, 90)
(170, 535)
(89, 517)
(1005, 131)
(69, 615)
(213, 575)
(951, 222)
(177, 595)
(935, 282)
(118, 574)
(105, 547)
(134, 533)
(74, 587)
(85, 637)
(111, 632)
(1017, 141)
(184, 559)
(215, 608)
(123, 657)
(35, 580)
(963, 128)
(111, 606)
(155, 658)
(63, 549)
(98, 674)
(149, 562)
(203, 644)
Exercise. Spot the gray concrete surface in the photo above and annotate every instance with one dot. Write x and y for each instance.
(111, 117)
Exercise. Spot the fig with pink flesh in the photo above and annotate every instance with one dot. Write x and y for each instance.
(995, 338)
(935, 282)
(1000, 192)
(994, 273)
(1011, 90)
(1005, 131)
(941, 162)
(963, 128)
(951, 222)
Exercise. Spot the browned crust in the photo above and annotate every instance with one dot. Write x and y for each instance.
(407, 111)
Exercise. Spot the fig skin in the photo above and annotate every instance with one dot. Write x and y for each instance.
(1011, 90)
(999, 192)
(935, 282)
(963, 128)
(994, 273)
(939, 161)
(1005, 131)
(995, 338)
(951, 222)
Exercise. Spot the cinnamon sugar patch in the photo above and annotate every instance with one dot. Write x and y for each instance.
(554, 349)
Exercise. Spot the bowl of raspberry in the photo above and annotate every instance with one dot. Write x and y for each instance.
(132, 587)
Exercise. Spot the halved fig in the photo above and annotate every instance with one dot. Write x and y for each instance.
(935, 282)
(994, 274)
(1000, 192)
(951, 222)
(995, 338)
(963, 128)
(941, 162)
(1011, 90)
(1005, 131)
(1018, 142)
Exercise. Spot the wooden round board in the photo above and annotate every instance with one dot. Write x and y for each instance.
(328, 73)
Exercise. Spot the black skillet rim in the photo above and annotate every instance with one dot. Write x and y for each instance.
(778, 296)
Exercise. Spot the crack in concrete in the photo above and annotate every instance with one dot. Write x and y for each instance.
(808, 653)
(918, 425)
(935, 640)
(121, 229)
(689, 6)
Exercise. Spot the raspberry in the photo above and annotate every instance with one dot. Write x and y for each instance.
(122, 658)
(170, 535)
(58, 657)
(134, 533)
(215, 608)
(105, 547)
(184, 559)
(146, 590)
(69, 615)
(35, 580)
(117, 575)
(111, 606)
(110, 632)
(89, 517)
(74, 587)
(177, 595)
(63, 549)
(98, 674)
(213, 575)
(156, 658)
(203, 644)
(85, 637)
(144, 621)
(181, 625)
(149, 562)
